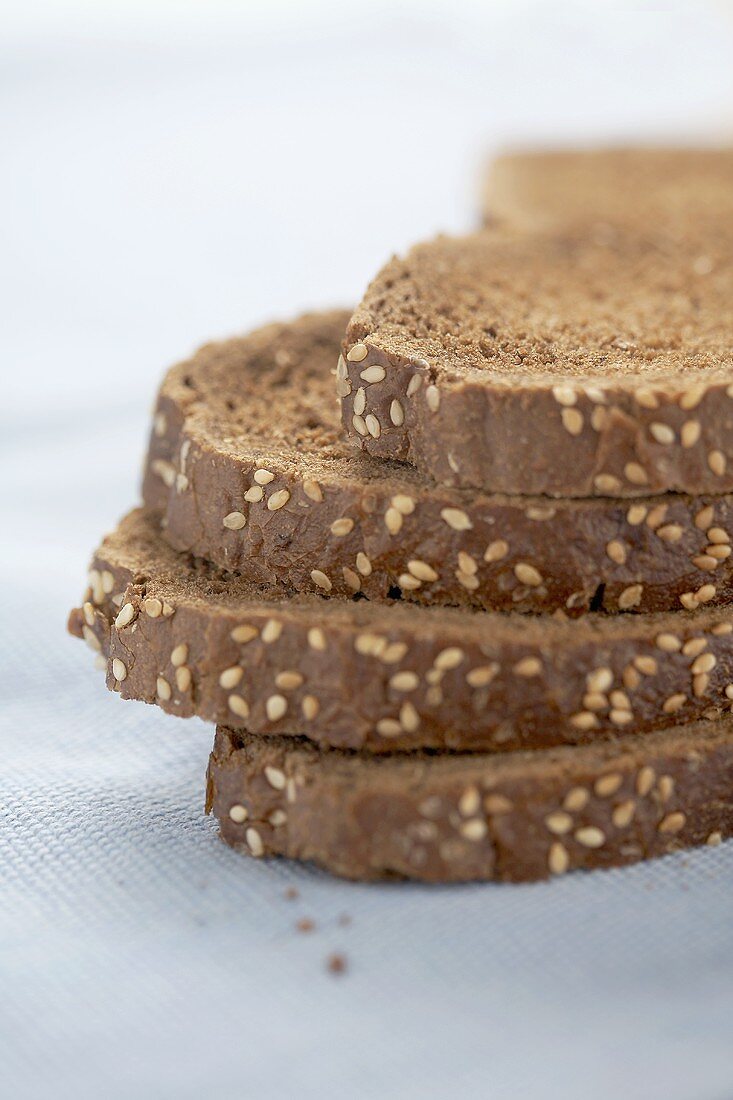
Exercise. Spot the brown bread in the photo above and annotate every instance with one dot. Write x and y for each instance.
(558, 364)
(513, 816)
(388, 676)
(245, 409)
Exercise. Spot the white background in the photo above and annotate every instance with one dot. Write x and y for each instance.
(173, 172)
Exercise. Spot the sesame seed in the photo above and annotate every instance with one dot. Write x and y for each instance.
(714, 839)
(645, 780)
(179, 655)
(576, 799)
(313, 490)
(278, 500)
(388, 727)
(630, 597)
(238, 706)
(108, 581)
(254, 494)
(688, 601)
(341, 527)
(558, 859)
(631, 678)
(288, 680)
(473, 830)
(598, 419)
(616, 551)
(583, 720)
(358, 353)
(449, 658)
(408, 582)
(369, 645)
(662, 432)
(718, 535)
(414, 384)
(647, 665)
(456, 519)
(692, 397)
(275, 707)
(594, 700)
(666, 787)
(564, 395)
(694, 646)
(717, 463)
(359, 425)
(636, 515)
(316, 638)
(373, 426)
(497, 550)
(254, 841)
(527, 574)
(125, 616)
(704, 518)
(706, 593)
(230, 677)
(319, 578)
(497, 804)
(422, 570)
(275, 777)
(163, 689)
(670, 643)
(590, 836)
(238, 814)
(119, 669)
(91, 639)
(621, 717)
(623, 814)
(393, 653)
(183, 678)
(690, 433)
(606, 483)
(700, 684)
(670, 532)
(396, 413)
(351, 579)
(607, 785)
(360, 401)
(405, 681)
(528, 666)
(244, 633)
(404, 504)
(409, 718)
(729, 691)
(166, 471)
(468, 580)
(343, 387)
(719, 551)
(635, 473)
(159, 424)
(373, 374)
(277, 818)
(559, 822)
(310, 707)
(722, 628)
(363, 564)
(432, 396)
(533, 512)
(341, 369)
(620, 700)
(674, 703)
(153, 607)
(656, 516)
(672, 823)
(89, 614)
(572, 421)
(271, 631)
(469, 803)
(706, 662)
(481, 676)
(393, 520)
(234, 521)
(263, 477)
(646, 398)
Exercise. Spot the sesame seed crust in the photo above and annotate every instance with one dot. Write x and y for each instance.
(345, 670)
(557, 399)
(305, 503)
(512, 816)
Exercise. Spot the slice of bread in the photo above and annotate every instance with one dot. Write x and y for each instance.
(599, 190)
(247, 467)
(388, 676)
(556, 364)
(513, 816)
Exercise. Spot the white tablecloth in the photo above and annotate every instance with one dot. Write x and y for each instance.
(161, 186)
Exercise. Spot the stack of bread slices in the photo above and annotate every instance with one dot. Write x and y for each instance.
(452, 574)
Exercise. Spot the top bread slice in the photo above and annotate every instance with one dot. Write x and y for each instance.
(248, 468)
(562, 364)
(603, 189)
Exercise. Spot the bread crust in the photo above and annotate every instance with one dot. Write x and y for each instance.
(386, 677)
(515, 817)
(379, 528)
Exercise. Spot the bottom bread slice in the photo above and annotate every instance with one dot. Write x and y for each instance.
(448, 818)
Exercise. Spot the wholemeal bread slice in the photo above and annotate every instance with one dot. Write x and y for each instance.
(247, 467)
(513, 816)
(557, 364)
(598, 190)
(388, 676)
